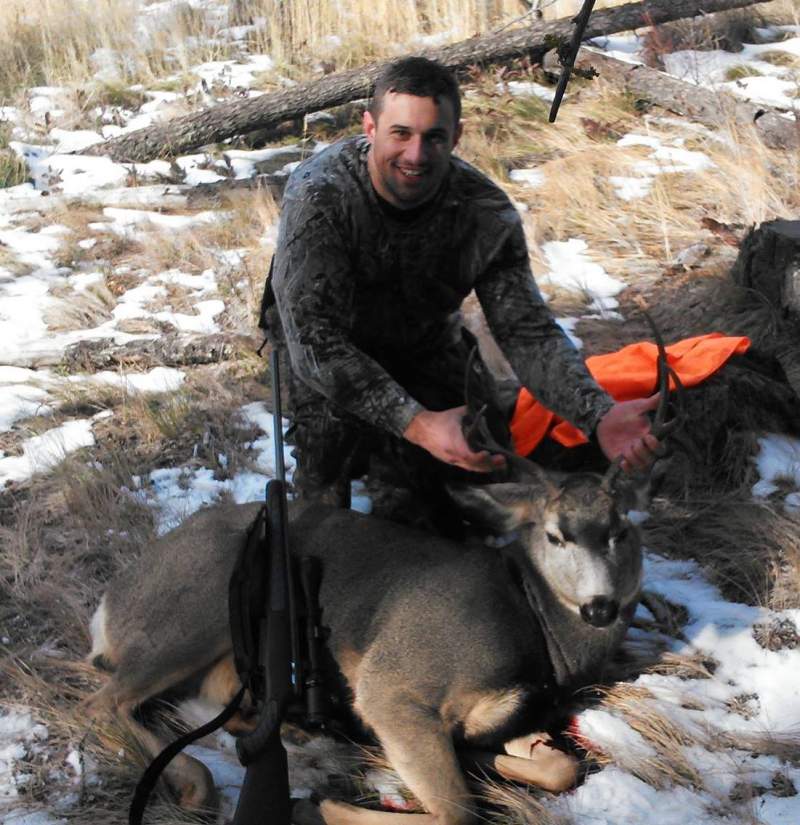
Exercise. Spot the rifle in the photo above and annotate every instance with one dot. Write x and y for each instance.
(264, 797)
(264, 631)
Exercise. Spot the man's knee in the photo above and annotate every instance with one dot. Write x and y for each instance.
(324, 454)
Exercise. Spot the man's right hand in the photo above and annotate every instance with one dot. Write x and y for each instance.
(441, 434)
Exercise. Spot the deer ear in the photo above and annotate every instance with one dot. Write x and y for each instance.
(499, 507)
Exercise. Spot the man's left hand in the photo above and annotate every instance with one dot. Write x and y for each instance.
(625, 431)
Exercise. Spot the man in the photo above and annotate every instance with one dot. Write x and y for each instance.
(381, 238)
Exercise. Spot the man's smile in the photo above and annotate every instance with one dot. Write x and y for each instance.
(410, 172)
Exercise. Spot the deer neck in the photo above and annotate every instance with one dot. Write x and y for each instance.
(578, 652)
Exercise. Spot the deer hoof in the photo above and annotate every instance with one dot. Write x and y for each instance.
(199, 794)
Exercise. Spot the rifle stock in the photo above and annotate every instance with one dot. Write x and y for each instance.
(264, 797)
(265, 794)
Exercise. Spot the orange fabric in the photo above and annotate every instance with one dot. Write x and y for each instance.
(628, 373)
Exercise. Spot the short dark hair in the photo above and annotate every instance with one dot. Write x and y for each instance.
(420, 77)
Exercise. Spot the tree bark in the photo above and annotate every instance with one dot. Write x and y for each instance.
(716, 109)
(186, 133)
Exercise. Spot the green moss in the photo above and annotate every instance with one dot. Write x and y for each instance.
(175, 83)
(743, 70)
(117, 94)
(13, 170)
(529, 107)
(781, 58)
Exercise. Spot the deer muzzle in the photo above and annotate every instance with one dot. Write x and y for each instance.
(600, 611)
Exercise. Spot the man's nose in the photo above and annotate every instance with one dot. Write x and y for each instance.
(415, 151)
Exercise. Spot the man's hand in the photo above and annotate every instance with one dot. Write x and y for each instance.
(441, 435)
(625, 431)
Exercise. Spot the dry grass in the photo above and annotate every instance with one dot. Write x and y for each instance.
(62, 537)
(53, 42)
(750, 550)
(244, 228)
(637, 240)
(668, 764)
(515, 805)
(344, 36)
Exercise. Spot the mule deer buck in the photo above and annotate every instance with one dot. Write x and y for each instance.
(439, 645)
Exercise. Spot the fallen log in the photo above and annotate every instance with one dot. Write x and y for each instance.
(155, 196)
(713, 108)
(172, 350)
(213, 195)
(227, 120)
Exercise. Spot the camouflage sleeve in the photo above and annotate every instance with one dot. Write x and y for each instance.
(314, 289)
(543, 358)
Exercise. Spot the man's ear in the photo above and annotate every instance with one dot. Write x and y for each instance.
(458, 132)
(370, 125)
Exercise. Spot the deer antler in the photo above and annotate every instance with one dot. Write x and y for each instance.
(477, 432)
(661, 427)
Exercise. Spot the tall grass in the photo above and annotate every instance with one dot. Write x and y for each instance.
(52, 42)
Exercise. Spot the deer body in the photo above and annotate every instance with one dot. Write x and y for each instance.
(438, 645)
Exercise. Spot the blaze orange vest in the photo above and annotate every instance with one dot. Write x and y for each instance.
(625, 374)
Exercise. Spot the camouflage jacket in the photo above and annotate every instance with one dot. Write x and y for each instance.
(357, 287)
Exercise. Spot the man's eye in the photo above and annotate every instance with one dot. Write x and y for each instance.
(554, 539)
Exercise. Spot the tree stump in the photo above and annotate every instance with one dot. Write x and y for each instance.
(769, 264)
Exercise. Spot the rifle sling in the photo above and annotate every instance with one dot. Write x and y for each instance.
(154, 770)
(246, 590)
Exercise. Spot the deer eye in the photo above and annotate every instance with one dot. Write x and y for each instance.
(556, 540)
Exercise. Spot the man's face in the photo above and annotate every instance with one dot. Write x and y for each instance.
(412, 141)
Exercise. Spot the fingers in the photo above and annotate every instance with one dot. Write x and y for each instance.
(641, 453)
(650, 403)
(482, 462)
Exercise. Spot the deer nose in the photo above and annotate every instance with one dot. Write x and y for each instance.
(600, 611)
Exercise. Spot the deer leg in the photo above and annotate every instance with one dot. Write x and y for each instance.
(220, 685)
(190, 778)
(331, 812)
(559, 768)
(419, 748)
(554, 771)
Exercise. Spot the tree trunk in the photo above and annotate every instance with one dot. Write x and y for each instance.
(187, 133)
(716, 109)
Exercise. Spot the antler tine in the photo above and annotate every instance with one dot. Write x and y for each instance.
(661, 427)
(473, 353)
(611, 475)
(479, 436)
(663, 370)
